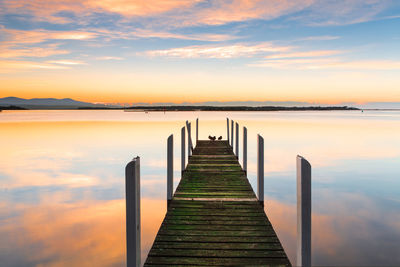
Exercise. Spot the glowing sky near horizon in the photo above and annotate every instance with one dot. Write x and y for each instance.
(193, 51)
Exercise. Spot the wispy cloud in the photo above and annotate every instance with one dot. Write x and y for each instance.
(67, 62)
(43, 51)
(18, 37)
(13, 65)
(342, 12)
(18, 47)
(139, 7)
(146, 33)
(109, 58)
(307, 54)
(319, 38)
(224, 51)
(226, 11)
(332, 63)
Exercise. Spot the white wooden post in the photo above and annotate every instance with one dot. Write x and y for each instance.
(132, 192)
(237, 140)
(227, 131)
(190, 138)
(183, 156)
(170, 167)
(260, 169)
(303, 212)
(245, 149)
(197, 130)
(232, 134)
(190, 146)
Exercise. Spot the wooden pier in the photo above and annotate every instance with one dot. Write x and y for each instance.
(215, 218)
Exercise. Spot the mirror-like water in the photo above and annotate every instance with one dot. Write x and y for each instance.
(62, 181)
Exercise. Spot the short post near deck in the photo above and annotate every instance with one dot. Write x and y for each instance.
(132, 192)
(232, 134)
(260, 169)
(197, 130)
(303, 212)
(237, 140)
(170, 167)
(183, 151)
(227, 131)
(245, 149)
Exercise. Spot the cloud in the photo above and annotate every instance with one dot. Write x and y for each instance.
(18, 37)
(146, 33)
(139, 7)
(342, 12)
(225, 51)
(67, 62)
(317, 53)
(319, 38)
(12, 65)
(19, 46)
(43, 51)
(51, 10)
(7, 66)
(333, 63)
(181, 13)
(226, 11)
(109, 58)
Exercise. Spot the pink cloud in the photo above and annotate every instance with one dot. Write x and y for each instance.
(193, 12)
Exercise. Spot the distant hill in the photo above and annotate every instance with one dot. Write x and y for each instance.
(47, 103)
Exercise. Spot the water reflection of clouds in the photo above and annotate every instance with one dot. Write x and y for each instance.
(351, 230)
(63, 181)
(88, 233)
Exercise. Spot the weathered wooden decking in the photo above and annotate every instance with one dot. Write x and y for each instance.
(214, 218)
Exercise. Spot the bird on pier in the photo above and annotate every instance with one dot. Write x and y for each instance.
(220, 138)
(212, 138)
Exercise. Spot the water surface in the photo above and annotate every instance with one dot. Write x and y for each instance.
(62, 181)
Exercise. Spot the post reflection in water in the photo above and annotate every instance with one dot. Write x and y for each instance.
(62, 181)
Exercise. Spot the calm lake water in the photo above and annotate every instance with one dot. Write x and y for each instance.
(62, 181)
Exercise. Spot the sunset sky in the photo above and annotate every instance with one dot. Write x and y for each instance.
(127, 51)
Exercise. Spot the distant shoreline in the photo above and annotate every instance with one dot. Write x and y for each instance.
(187, 108)
(233, 108)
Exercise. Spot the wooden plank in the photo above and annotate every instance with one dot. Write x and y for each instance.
(196, 261)
(220, 253)
(231, 246)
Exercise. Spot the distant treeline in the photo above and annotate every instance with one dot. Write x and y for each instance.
(11, 108)
(186, 108)
(234, 108)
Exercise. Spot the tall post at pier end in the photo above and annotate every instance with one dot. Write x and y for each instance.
(132, 195)
(170, 167)
(245, 149)
(260, 169)
(197, 130)
(232, 134)
(303, 212)
(183, 151)
(227, 131)
(237, 140)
